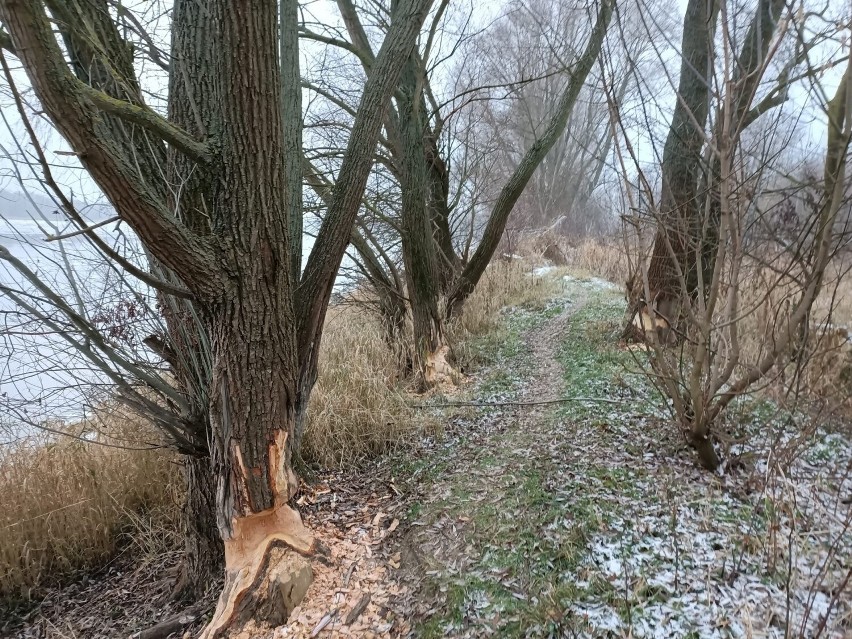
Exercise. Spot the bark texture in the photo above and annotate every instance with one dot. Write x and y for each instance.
(204, 556)
(679, 227)
(418, 246)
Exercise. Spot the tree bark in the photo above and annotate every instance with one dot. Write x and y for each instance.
(418, 244)
(229, 244)
(673, 263)
(746, 77)
(204, 556)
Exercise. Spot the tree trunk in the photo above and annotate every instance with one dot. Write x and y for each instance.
(254, 412)
(252, 329)
(418, 245)
(746, 77)
(468, 279)
(204, 558)
(673, 270)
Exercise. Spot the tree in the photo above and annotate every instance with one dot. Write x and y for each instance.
(226, 238)
(442, 269)
(711, 272)
(684, 239)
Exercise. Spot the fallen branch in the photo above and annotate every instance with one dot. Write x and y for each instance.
(170, 625)
(604, 400)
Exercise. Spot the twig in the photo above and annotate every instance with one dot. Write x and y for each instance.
(327, 619)
(171, 625)
(359, 608)
(87, 229)
(605, 400)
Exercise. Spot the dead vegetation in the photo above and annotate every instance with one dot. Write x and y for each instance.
(130, 491)
(68, 503)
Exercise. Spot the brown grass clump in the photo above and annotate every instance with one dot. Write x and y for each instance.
(357, 409)
(505, 283)
(66, 502)
(603, 258)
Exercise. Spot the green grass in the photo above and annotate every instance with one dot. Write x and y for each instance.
(528, 527)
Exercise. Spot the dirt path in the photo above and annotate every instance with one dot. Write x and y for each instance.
(409, 525)
(588, 518)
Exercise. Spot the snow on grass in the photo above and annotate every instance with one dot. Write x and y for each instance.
(762, 551)
(541, 271)
(591, 283)
(593, 519)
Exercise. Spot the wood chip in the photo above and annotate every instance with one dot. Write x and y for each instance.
(327, 619)
(359, 608)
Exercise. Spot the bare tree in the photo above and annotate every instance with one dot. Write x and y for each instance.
(210, 192)
(441, 263)
(720, 305)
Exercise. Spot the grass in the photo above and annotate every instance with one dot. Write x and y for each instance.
(547, 507)
(526, 522)
(69, 505)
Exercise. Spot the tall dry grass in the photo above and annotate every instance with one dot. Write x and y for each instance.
(601, 258)
(358, 408)
(67, 504)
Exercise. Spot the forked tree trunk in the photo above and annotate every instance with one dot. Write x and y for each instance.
(252, 329)
(746, 77)
(673, 268)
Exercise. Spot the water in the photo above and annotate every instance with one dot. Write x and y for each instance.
(43, 376)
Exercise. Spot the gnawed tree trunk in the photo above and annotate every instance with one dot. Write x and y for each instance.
(673, 261)
(236, 268)
(252, 329)
(418, 245)
(253, 411)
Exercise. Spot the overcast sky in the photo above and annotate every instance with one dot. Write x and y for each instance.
(67, 170)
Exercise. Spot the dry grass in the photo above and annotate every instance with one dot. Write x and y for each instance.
(505, 283)
(602, 258)
(357, 408)
(67, 503)
(824, 368)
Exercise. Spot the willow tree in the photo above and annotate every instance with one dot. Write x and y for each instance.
(688, 219)
(212, 191)
(440, 271)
